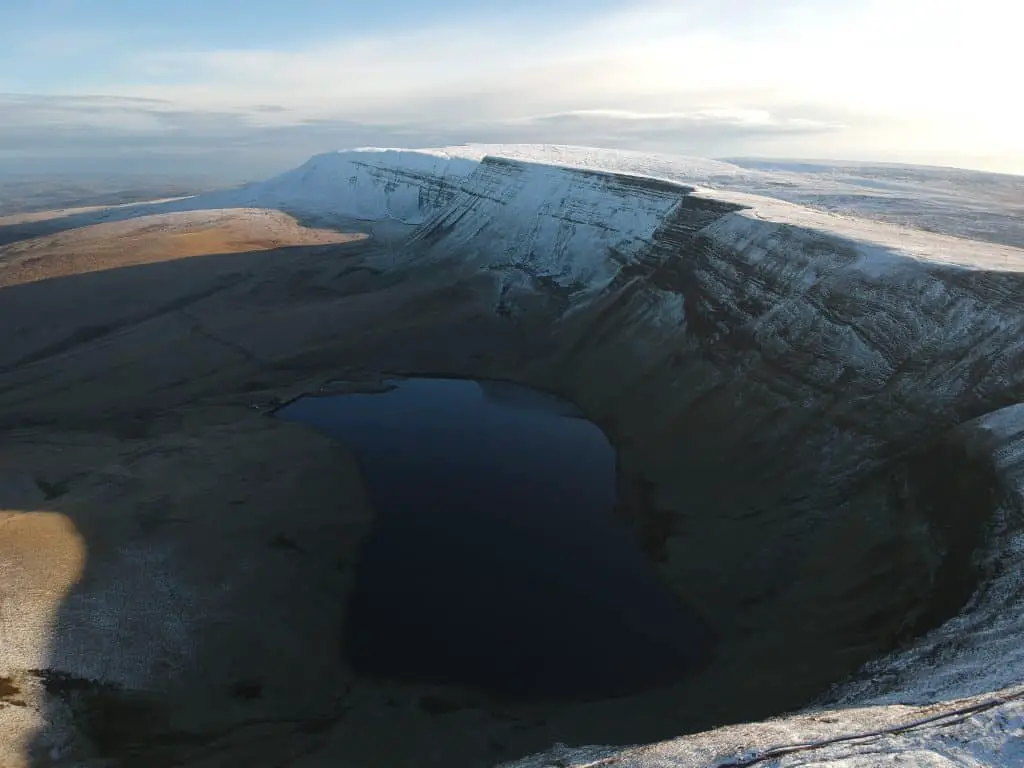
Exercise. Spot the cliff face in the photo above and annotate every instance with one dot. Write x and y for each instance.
(775, 388)
(573, 230)
(789, 425)
(781, 385)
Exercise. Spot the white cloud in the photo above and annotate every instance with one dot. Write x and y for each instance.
(922, 79)
(738, 117)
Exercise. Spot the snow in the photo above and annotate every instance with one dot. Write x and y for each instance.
(414, 186)
(979, 650)
(663, 166)
(505, 210)
(947, 201)
(547, 222)
(880, 245)
(367, 184)
(986, 731)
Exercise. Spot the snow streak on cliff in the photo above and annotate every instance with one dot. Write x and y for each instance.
(367, 184)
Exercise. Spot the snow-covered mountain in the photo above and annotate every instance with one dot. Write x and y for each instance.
(405, 186)
(412, 186)
(837, 360)
(368, 184)
(982, 206)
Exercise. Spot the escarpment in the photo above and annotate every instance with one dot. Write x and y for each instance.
(816, 423)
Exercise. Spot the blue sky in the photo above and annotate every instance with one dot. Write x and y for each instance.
(52, 46)
(928, 81)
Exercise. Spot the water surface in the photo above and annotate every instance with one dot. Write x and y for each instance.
(496, 560)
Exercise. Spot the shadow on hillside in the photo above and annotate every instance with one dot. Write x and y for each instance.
(53, 316)
(147, 659)
(193, 557)
(210, 585)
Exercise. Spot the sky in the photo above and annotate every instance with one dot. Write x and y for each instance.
(259, 85)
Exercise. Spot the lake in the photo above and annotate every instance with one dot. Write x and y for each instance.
(496, 560)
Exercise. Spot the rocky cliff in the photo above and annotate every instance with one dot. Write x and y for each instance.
(782, 385)
(369, 184)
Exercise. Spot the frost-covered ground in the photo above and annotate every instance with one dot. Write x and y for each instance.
(970, 204)
(986, 206)
(973, 204)
(409, 186)
(988, 731)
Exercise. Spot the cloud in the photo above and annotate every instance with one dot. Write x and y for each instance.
(247, 143)
(892, 58)
(102, 124)
(736, 121)
(732, 77)
(705, 132)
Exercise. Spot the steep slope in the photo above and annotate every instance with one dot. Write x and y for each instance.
(575, 230)
(972, 204)
(364, 184)
(395, 186)
(780, 383)
(946, 201)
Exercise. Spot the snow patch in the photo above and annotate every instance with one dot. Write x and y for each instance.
(573, 228)
(368, 184)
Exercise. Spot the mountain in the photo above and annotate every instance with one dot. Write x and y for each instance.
(831, 400)
(969, 204)
(817, 414)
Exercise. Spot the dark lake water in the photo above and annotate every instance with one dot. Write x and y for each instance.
(496, 560)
